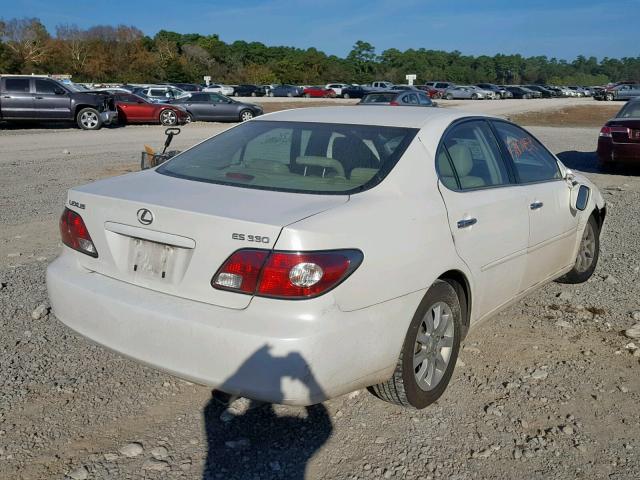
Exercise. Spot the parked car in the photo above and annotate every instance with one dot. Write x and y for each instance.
(355, 91)
(498, 92)
(381, 85)
(219, 88)
(432, 92)
(440, 86)
(133, 108)
(544, 92)
(160, 93)
(405, 98)
(619, 92)
(532, 93)
(519, 92)
(318, 92)
(285, 90)
(215, 107)
(619, 139)
(30, 97)
(464, 92)
(255, 257)
(187, 87)
(337, 87)
(246, 90)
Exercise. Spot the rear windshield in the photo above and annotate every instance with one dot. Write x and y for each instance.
(379, 98)
(321, 158)
(630, 110)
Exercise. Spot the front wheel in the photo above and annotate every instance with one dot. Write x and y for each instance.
(246, 115)
(168, 118)
(429, 352)
(188, 118)
(588, 254)
(608, 97)
(474, 96)
(306, 95)
(346, 95)
(449, 96)
(89, 119)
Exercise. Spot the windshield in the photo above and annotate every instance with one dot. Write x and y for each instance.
(321, 158)
(630, 110)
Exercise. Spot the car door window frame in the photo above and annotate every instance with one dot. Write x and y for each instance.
(512, 180)
(508, 158)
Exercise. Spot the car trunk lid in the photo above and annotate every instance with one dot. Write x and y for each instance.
(171, 235)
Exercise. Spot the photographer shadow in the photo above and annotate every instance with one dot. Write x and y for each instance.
(259, 442)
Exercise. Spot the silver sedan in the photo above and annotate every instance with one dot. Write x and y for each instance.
(465, 92)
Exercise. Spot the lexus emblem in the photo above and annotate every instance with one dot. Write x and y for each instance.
(145, 216)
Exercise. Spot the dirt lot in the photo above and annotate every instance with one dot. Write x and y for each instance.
(574, 116)
(548, 389)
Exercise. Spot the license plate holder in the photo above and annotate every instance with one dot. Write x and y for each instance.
(151, 259)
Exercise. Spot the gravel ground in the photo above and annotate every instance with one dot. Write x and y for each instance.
(549, 389)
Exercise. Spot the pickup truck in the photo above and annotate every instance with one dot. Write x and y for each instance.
(28, 98)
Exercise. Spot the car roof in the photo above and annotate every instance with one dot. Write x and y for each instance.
(408, 117)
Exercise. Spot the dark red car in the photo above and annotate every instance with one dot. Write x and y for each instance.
(619, 139)
(432, 92)
(318, 92)
(135, 109)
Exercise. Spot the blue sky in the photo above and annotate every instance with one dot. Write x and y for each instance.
(561, 29)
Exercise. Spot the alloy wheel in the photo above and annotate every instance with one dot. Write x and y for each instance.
(433, 346)
(89, 119)
(587, 250)
(246, 115)
(168, 117)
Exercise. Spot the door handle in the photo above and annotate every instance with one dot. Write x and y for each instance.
(536, 205)
(39, 98)
(467, 222)
(7, 96)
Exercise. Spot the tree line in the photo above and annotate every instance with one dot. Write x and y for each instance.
(122, 53)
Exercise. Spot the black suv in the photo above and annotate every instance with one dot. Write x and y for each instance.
(43, 98)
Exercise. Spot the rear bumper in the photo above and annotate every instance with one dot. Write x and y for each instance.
(609, 151)
(292, 352)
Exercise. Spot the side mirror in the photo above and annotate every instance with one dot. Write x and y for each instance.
(580, 197)
(59, 91)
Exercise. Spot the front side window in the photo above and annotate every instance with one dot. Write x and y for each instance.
(321, 158)
(424, 100)
(533, 162)
(46, 86)
(16, 85)
(470, 158)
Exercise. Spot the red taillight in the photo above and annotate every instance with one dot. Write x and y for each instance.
(394, 103)
(74, 233)
(241, 271)
(286, 274)
(605, 131)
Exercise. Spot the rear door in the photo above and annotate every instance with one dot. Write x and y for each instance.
(487, 212)
(552, 225)
(17, 99)
(51, 100)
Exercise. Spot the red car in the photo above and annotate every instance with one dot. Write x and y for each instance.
(135, 109)
(619, 139)
(433, 93)
(318, 92)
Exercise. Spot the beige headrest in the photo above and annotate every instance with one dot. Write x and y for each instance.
(322, 162)
(462, 159)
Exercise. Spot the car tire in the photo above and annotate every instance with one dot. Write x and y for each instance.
(188, 118)
(449, 96)
(306, 95)
(346, 95)
(246, 115)
(409, 386)
(253, 94)
(588, 254)
(609, 97)
(168, 118)
(474, 96)
(89, 119)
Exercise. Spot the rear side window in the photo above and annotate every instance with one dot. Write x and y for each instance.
(17, 85)
(630, 110)
(379, 98)
(470, 158)
(532, 161)
(306, 157)
(411, 99)
(424, 100)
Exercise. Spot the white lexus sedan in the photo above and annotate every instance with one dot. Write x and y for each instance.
(313, 252)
